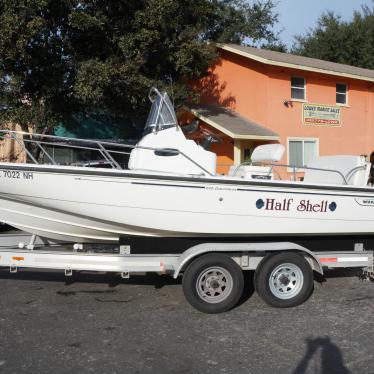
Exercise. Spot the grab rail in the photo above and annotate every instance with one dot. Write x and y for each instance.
(294, 168)
(76, 143)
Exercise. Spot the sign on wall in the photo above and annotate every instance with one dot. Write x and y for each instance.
(319, 114)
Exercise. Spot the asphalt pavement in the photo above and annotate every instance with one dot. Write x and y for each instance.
(99, 323)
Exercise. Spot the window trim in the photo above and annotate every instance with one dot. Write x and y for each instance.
(295, 99)
(346, 93)
(303, 139)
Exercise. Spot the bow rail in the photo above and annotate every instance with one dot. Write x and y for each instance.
(105, 148)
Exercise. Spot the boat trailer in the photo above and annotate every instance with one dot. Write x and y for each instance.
(212, 272)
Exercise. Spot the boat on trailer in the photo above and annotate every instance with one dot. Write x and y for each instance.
(170, 189)
(167, 211)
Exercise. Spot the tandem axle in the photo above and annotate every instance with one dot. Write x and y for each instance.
(212, 271)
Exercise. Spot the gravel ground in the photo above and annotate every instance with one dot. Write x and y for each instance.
(100, 323)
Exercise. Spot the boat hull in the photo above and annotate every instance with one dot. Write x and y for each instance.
(89, 205)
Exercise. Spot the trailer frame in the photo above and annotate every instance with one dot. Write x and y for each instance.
(21, 251)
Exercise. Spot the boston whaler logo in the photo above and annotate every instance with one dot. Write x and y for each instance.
(365, 201)
(290, 204)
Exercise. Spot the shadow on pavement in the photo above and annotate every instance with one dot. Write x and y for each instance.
(249, 288)
(341, 273)
(338, 273)
(331, 357)
(158, 281)
(111, 279)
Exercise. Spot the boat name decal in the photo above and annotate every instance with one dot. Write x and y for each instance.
(14, 174)
(304, 205)
(365, 202)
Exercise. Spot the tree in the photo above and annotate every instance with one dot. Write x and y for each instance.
(61, 60)
(35, 78)
(241, 22)
(346, 42)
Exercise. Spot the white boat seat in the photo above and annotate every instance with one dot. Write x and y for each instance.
(262, 154)
(267, 153)
(354, 168)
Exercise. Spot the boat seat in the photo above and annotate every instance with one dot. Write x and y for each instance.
(354, 168)
(267, 153)
(263, 154)
(251, 172)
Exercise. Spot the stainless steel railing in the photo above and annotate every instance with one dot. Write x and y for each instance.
(297, 169)
(105, 148)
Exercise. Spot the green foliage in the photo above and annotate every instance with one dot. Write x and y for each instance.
(35, 81)
(64, 59)
(236, 21)
(346, 42)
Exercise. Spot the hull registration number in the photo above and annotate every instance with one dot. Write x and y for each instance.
(13, 174)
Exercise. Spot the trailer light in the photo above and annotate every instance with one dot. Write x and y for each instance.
(328, 259)
(18, 258)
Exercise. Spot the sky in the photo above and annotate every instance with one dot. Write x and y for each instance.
(296, 16)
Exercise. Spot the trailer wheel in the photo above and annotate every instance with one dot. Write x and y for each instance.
(213, 283)
(284, 280)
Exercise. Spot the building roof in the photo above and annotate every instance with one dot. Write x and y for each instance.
(231, 123)
(299, 62)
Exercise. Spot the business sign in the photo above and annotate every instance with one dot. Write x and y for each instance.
(319, 114)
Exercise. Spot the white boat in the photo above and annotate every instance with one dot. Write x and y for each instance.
(170, 189)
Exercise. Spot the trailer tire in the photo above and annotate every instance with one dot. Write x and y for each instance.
(213, 283)
(284, 280)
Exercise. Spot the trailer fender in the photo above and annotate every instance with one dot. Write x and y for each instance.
(264, 247)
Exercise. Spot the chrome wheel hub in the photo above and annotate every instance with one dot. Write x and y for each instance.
(286, 281)
(214, 285)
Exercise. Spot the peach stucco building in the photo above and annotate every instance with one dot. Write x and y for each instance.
(312, 107)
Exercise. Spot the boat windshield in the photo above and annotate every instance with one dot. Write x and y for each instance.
(162, 114)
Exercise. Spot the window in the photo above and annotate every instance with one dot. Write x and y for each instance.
(297, 88)
(341, 93)
(301, 151)
(247, 154)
